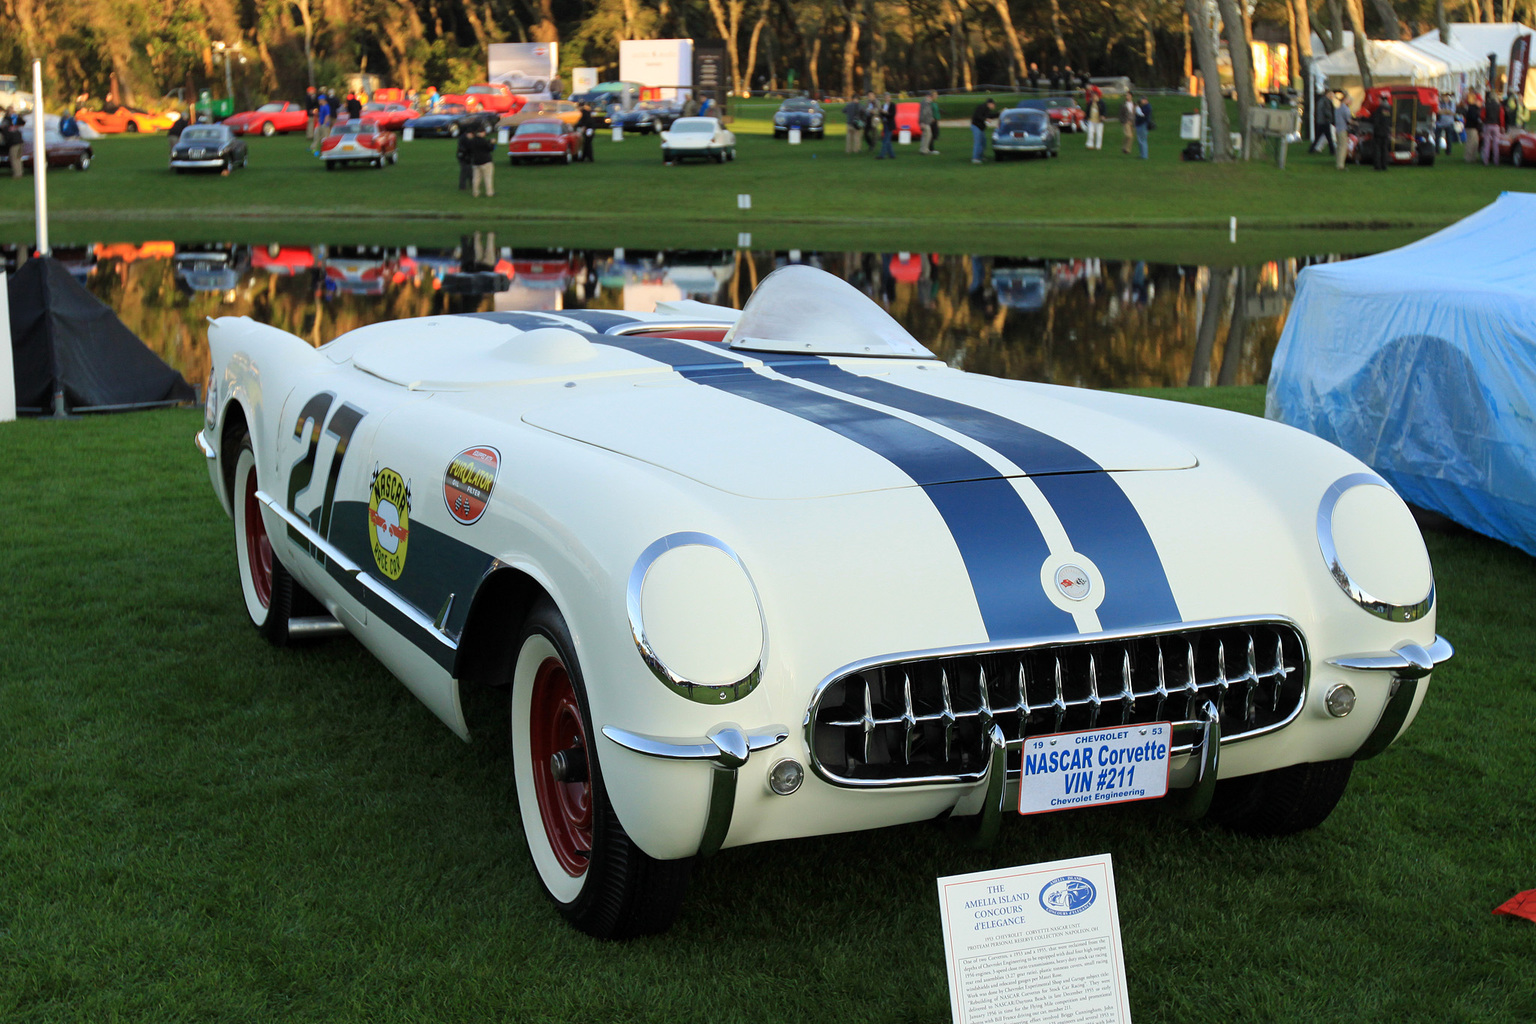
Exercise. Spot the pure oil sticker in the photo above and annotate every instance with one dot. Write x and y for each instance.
(468, 482)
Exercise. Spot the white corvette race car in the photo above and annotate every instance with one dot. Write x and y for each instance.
(780, 573)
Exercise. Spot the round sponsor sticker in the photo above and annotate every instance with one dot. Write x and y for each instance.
(1073, 582)
(1067, 895)
(389, 516)
(468, 482)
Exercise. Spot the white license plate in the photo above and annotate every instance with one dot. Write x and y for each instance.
(535, 145)
(1095, 768)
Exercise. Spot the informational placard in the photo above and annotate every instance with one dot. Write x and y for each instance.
(666, 64)
(1038, 943)
(583, 80)
(525, 68)
(1095, 768)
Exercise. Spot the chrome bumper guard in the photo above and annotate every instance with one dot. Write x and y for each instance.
(1408, 663)
(204, 447)
(727, 747)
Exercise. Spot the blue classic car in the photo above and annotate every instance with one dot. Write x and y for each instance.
(1024, 131)
(804, 114)
(450, 120)
(648, 116)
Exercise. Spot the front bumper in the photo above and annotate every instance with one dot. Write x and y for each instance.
(198, 164)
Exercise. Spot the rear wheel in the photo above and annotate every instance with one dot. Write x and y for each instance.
(84, 164)
(600, 881)
(1281, 801)
(1517, 154)
(132, 126)
(269, 591)
(569, 158)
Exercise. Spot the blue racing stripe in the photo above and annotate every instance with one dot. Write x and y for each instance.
(998, 539)
(1099, 519)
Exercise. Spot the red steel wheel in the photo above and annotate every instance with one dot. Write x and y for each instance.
(258, 548)
(565, 804)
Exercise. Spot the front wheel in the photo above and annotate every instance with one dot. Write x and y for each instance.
(1517, 155)
(1283, 800)
(84, 164)
(132, 126)
(569, 158)
(268, 129)
(269, 591)
(598, 878)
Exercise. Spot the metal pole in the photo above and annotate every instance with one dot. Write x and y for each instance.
(229, 82)
(40, 158)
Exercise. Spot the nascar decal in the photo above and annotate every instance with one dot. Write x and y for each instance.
(468, 482)
(389, 515)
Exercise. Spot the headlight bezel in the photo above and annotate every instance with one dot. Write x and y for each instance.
(1391, 612)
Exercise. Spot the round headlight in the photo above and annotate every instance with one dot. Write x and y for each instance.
(1373, 548)
(696, 618)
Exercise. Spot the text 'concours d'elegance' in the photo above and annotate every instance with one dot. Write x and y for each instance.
(799, 457)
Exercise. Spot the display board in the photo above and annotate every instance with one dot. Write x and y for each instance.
(525, 68)
(666, 64)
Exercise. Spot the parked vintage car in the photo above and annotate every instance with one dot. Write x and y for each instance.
(703, 138)
(450, 120)
(113, 120)
(389, 116)
(488, 96)
(782, 572)
(208, 147)
(61, 152)
(542, 110)
(803, 114)
(649, 117)
(544, 141)
(1518, 146)
(1025, 132)
(358, 142)
(518, 82)
(269, 119)
(1064, 111)
(1415, 113)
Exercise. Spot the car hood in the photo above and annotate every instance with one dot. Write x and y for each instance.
(775, 446)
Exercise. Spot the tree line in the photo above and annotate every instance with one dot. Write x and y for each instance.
(146, 49)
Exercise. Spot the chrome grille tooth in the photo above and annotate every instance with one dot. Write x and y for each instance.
(984, 712)
(1281, 670)
(1025, 709)
(1221, 666)
(869, 718)
(1191, 688)
(1251, 698)
(1093, 691)
(1162, 683)
(949, 715)
(1127, 691)
(1060, 703)
(908, 718)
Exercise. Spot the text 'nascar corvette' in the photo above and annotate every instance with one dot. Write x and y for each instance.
(782, 573)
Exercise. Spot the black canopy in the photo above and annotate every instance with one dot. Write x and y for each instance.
(63, 337)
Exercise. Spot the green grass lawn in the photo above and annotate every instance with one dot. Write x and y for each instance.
(807, 196)
(196, 827)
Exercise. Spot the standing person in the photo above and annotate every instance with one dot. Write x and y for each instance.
(853, 115)
(1143, 125)
(482, 158)
(871, 120)
(1341, 117)
(10, 128)
(322, 120)
(1472, 117)
(887, 129)
(463, 154)
(979, 118)
(1381, 134)
(311, 113)
(1493, 126)
(1034, 75)
(354, 107)
(927, 122)
(1322, 124)
(587, 125)
(1095, 120)
(1128, 119)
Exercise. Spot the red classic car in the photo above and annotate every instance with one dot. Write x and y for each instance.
(389, 116)
(269, 119)
(358, 142)
(282, 260)
(1518, 146)
(488, 96)
(62, 152)
(544, 139)
(1414, 110)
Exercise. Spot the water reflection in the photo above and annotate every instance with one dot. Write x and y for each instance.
(1089, 322)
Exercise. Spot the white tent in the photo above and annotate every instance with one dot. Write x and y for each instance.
(1392, 63)
(1482, 39)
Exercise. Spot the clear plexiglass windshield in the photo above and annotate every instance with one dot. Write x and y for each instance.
(700, 125)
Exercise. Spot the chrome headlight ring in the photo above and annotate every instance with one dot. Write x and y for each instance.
(703, 693)
(1325, 542)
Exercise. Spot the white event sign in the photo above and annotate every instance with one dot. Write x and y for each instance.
(1038, 943)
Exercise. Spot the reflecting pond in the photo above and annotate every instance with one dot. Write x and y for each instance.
(1087, 322)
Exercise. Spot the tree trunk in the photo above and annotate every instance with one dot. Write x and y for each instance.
(956, 41)
(1242, 66)
(1333, 36)
(1303, 18)
(1216, 288)
(1391, 26)
(757, 31)
(545, 30)
(1061, 44)
(1444, 25)
(1291, 55)
(1357, 26)
(1205, 56)
(1189, 58)
(851, 51)
(728, 21)
(1017, 66)
(874, 68)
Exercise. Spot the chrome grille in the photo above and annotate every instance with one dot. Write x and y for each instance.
(927, 718)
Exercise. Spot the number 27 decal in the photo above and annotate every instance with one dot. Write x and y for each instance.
(343, 423)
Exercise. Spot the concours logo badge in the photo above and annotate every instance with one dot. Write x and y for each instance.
(468, 482)
(389, 515)
(1067, 895)
(1073, 582)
